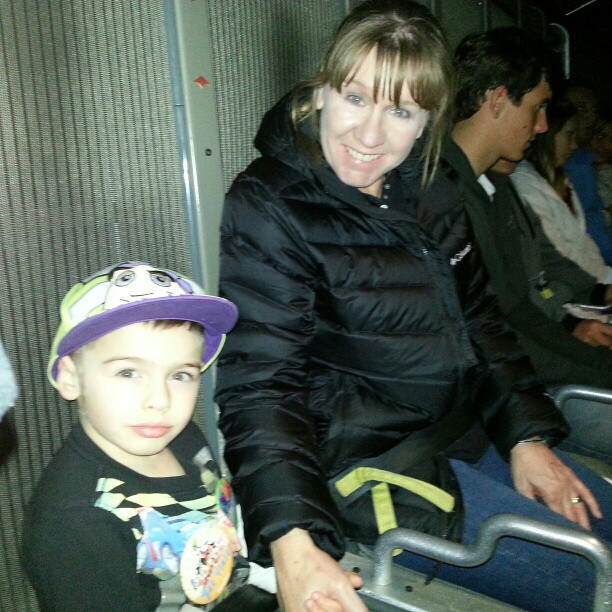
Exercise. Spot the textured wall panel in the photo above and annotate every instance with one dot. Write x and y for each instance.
(89, 174)
(262, 49)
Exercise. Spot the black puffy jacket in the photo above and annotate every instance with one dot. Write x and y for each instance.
(351, 338)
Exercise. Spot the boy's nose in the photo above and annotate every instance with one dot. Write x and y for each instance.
(158, 395)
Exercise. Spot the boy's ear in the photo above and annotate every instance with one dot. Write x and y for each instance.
(68, 379)
(496, 100)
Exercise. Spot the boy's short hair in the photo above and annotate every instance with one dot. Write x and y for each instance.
(508, 56)
(135, 292)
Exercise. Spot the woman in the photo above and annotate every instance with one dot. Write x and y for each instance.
(542, 183)
(352, 348)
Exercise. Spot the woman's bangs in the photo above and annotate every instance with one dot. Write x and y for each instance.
(388, 75)
(347, 66)
(423, 77)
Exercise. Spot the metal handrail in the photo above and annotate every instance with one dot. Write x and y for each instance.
(562, 394)
(489, 532)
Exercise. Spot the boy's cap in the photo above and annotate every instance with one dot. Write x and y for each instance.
(134, 292)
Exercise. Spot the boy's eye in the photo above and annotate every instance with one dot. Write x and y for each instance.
(185, 376)
(127, 373)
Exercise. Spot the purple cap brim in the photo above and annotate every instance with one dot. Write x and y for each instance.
(216, 315)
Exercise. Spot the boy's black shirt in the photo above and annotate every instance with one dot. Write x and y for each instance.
(70, 521)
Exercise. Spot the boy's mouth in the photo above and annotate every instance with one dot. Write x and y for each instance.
(151, 431)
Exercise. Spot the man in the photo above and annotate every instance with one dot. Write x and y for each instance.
(503, 90)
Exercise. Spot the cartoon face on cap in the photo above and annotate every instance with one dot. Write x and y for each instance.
(139, 283)
(134, 292)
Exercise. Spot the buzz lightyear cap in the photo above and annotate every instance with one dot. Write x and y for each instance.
(134, 292)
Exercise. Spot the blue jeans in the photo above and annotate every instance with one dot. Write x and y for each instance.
(527, 575)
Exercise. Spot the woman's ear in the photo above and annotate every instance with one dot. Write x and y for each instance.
(318, 98)
(425, 124)
(68, 383)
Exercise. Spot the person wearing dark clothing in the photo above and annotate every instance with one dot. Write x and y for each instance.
(519, 258)
(354, 346)
(500, 105)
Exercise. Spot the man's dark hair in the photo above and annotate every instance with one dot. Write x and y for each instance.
(506, 56)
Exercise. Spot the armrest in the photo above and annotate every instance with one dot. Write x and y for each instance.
(491, 530)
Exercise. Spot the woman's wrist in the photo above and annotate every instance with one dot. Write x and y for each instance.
(530, 442)
(296, 538)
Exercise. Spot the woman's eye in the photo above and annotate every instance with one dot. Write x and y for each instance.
(402, 113)
(354, 99)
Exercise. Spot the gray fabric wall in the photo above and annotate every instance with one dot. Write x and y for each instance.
(279, 43)
(90, 175)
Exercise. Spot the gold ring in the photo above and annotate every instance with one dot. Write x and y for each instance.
(576, 500)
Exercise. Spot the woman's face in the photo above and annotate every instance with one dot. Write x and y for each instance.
(565, 142)
(363, 139)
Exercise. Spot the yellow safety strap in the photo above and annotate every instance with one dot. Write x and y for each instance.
(547, 293)
(381, 495)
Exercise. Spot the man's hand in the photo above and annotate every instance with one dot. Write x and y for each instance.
(308, 579)
(538, 473)
(595, 333)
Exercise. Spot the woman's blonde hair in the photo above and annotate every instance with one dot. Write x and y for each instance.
(410, 49)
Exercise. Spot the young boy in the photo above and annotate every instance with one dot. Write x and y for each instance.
(131, 514)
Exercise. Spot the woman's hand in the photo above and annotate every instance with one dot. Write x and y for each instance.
(308, 579)
(538, 473)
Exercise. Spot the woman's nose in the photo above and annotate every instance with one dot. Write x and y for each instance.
(371, 132)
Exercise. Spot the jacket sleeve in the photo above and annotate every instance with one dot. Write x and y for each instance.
(511, 399)
(261, 386)
(558, 267)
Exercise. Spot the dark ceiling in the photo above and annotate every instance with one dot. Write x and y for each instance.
(576, 11)
(588, 24)
(567, 6)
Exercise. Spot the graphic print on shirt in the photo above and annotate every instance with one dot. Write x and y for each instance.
(199, 545)
(196, 545)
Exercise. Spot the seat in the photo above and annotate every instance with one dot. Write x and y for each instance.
(576, 401)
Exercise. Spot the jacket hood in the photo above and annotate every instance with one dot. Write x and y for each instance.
(276, 137)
